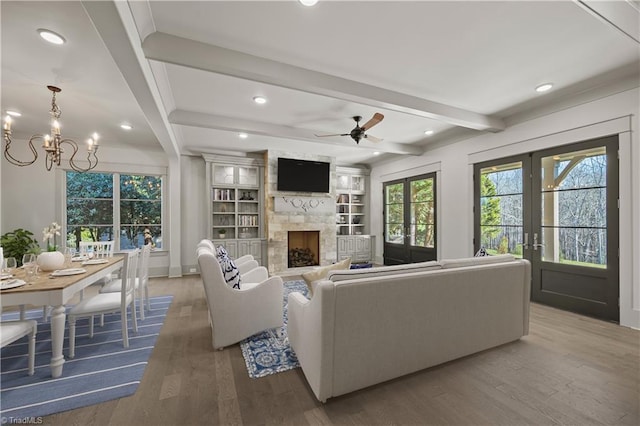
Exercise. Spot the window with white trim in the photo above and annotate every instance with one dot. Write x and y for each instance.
(123, 207)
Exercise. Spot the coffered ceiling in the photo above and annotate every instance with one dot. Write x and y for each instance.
(184, 74)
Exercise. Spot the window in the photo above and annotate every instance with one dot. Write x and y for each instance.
(126, 208)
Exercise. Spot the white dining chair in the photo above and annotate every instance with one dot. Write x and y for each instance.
(10, 331)
(100, 249)
(142, 282)
(105, 303)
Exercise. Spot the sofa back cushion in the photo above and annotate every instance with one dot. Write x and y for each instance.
(381, 271)
(472, 261)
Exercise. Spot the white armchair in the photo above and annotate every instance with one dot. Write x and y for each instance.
(237, 314)
(244, 263)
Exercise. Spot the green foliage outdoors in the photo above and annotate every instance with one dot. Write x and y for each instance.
(90, 207)
(17, 243)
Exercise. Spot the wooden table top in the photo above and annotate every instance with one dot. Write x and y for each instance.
(46, 282)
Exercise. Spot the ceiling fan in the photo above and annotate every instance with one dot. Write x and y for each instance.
(358, 132)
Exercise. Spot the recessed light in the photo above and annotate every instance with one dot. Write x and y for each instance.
(14, 113)
(243, 135)
(376, 153)
(308, 2)
(126, 126)
(428, 132)
(260, 100)
(51, 37)
(544, 87)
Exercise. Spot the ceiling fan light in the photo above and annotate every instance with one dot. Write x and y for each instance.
(260, 100)
(308, 2)
(51, 37)
(544, 87)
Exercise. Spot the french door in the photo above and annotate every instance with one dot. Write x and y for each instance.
(410, 220)
(558, 208)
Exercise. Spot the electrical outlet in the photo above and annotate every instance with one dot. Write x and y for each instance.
(192, 270)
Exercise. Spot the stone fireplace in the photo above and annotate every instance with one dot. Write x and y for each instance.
(303, 248)
(287, 212)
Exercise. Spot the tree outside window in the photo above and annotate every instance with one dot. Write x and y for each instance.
(131, 214)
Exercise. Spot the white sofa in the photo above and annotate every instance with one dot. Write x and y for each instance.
(377, 326)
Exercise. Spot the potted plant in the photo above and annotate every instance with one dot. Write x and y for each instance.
(222, 233)
(18, 243)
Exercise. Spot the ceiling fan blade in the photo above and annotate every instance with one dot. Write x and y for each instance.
(377, 117)
(372, 138)
(326, 136)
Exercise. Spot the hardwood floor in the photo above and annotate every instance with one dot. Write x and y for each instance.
(570, 370)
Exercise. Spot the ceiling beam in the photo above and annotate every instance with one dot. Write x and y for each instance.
(194, 54)
(210, 121)
(115, 25)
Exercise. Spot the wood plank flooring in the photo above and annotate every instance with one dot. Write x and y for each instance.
(569, 370)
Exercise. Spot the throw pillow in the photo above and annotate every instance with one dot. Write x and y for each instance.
(481, 252)
(230, 273)
(321, 272)
(221, 253)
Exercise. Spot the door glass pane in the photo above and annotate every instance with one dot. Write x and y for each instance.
(422, 213)
(394, 213)
(501, 224)
(574, 214)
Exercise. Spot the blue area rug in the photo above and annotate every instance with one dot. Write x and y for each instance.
(269, 352)
(101, 371)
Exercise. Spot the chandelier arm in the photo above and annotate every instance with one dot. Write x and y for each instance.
(72, 163)
(48, 162)
(11, 159)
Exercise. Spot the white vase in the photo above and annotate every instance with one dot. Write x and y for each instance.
(50, 260)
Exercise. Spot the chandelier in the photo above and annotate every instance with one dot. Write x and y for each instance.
(53, 143)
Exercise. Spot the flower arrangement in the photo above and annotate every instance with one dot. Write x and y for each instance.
(49, 234)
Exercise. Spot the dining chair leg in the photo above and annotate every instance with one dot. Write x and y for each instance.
(32, 352)
(134, 317)
(141, 303)
(146, 297)
(22, 312)
(91, 326)
(125, 328)
(72, 337)
(101, 320)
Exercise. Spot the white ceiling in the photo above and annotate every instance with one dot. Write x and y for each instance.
(184, 73)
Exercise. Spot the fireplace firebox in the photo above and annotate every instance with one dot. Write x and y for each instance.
(303, 248)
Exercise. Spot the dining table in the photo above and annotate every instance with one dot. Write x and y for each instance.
(55, 289)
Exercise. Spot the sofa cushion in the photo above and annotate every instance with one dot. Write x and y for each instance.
(381, 271)
(230, 272)
(472, 261)
(321, 272)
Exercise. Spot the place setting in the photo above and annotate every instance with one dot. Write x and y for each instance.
(7, 279)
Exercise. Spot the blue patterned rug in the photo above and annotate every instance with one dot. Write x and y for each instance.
(102, 369)
(269, 352)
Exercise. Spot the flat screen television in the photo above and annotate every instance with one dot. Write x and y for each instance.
(303, 175)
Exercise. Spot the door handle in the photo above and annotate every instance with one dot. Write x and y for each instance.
(535, 242)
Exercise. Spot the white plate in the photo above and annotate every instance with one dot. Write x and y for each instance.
(5, 276)
(70, 271)
(95, 261)
(79, 258)
(6, 285)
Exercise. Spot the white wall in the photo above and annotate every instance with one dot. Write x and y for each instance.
(454, 166)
